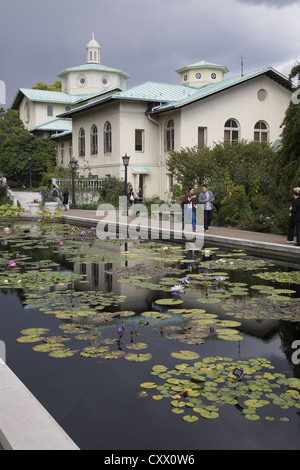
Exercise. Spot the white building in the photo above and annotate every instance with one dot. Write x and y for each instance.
(96, 119)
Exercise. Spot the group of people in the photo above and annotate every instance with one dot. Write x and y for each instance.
(131, 197)
(206, 198)
(65, 196)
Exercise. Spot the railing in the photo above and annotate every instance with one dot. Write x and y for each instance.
(85, 184)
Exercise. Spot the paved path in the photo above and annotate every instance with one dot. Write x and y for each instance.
(263, 243)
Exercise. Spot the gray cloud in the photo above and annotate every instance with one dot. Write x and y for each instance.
(149, 40)
(270, 3)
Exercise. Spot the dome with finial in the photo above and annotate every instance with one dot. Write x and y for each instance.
(93, 51)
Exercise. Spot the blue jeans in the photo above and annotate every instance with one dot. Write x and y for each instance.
(187, 213)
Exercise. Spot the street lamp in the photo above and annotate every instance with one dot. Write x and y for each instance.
(73, 164)
(30, 182)
(126, 163)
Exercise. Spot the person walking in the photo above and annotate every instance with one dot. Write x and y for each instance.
(189, 206)
(131, 197)
(65, 200)
(294, 221)
(206, 198)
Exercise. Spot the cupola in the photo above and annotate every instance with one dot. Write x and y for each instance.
(201, 73)
(93, 52)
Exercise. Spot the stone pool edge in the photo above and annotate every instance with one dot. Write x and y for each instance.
(24, 423)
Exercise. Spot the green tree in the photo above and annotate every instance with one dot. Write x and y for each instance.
(287, 169)
(14, 162)
(45, 86)
(10, 124)
(190, 166)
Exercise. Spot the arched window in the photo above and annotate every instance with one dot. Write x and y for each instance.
(81, 143)
(49, 110)
(94, 140)
(62, 152)
(107, 137)
(231, 130)
(169, 135)
(261, 132)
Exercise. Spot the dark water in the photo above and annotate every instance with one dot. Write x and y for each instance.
(97, 402)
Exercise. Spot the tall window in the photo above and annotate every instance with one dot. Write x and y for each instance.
(202, 136)
(261, 132)
(50, 110)
(94, 140)
(107, 137)
(81, 143)
(169, 135)
(231, 130)
(139, 138)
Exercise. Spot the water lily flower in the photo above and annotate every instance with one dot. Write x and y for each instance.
(12, 264)
(61, 243)
(6, 230)
(220, 282)
(185, 279)
(177, 289)
(206, 252)
(119, 330)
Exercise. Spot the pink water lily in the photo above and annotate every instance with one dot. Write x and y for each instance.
(12, 264)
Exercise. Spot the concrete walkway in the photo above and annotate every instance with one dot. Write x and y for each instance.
(265, 244)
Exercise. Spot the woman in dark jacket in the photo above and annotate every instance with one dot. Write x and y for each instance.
(294, 219)
(65, 200)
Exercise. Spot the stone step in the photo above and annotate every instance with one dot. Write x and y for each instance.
(24, 198)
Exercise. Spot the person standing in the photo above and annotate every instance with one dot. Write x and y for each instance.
(206, 198)
(65, 200)
(294, 221)
(189, 205)
(140, 194)
(131, 197)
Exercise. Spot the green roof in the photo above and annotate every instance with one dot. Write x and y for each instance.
(57, 125)
(97, 67)
(168, 96)
(153, 91)
(212, 88)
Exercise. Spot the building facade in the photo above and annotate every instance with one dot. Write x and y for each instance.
(98, 120)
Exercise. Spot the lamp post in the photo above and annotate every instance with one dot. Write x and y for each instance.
(30, 182)
(125, 163)
(73, 166)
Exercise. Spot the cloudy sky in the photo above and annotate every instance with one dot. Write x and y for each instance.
(149, 40)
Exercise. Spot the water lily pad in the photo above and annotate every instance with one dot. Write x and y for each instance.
(190, 418)
(138, 357)
(185, 355)
(169, 301)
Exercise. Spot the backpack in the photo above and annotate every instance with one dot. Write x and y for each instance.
(54, 193)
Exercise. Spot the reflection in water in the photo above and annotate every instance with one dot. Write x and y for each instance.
(119, 315)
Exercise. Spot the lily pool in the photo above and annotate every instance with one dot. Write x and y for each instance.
(142, 345)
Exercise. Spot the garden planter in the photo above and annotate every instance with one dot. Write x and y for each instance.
(33, 207)
(51, 206)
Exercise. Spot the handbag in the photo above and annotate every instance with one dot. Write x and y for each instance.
(131, 197)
